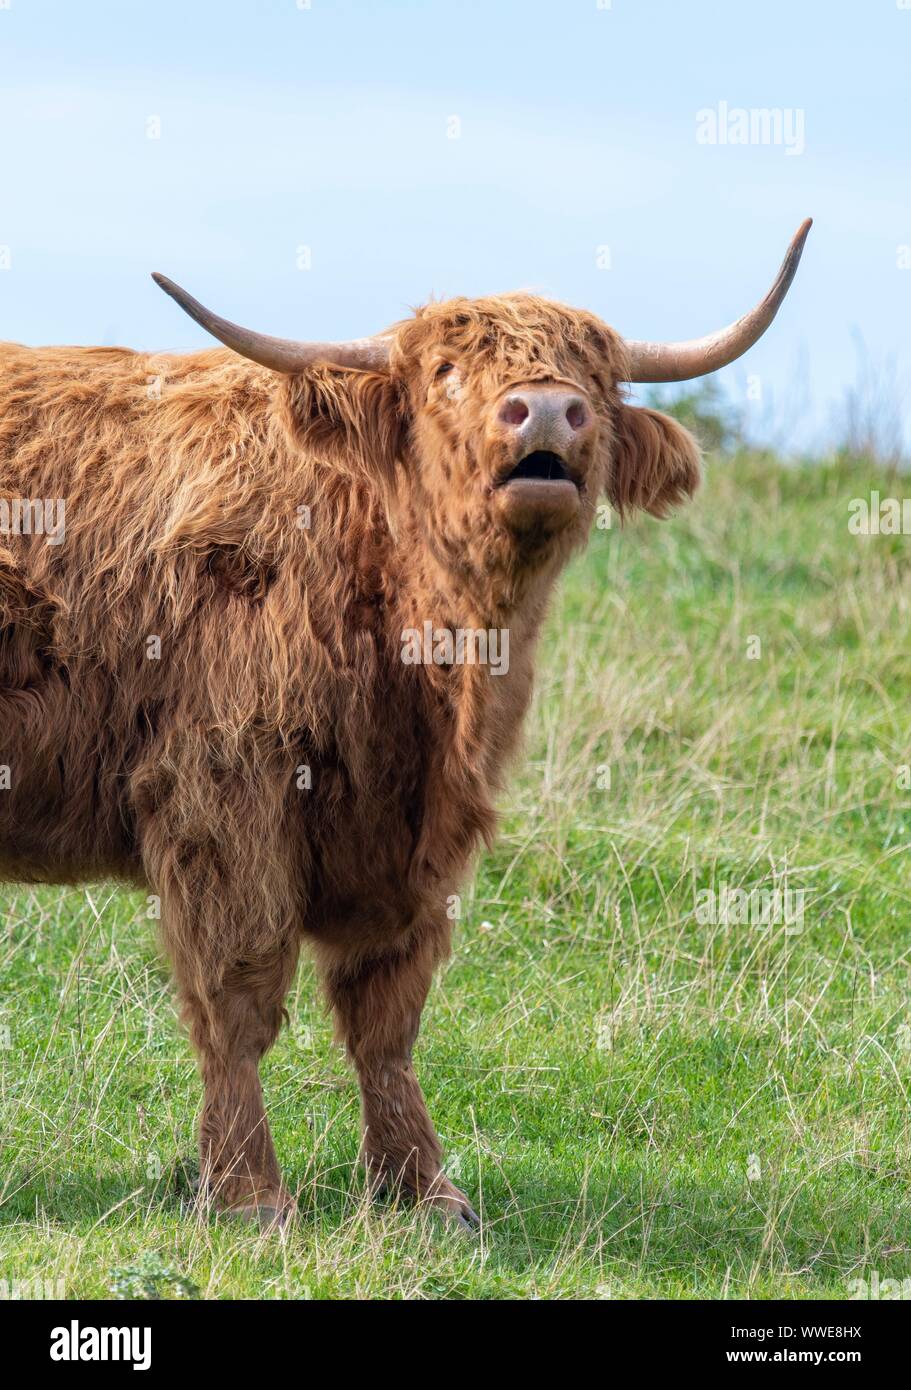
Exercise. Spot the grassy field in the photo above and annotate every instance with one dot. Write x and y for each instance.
(644, 1103)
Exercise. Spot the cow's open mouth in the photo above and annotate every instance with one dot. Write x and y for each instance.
(542, 466)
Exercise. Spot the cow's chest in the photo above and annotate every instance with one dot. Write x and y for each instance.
(394, 825)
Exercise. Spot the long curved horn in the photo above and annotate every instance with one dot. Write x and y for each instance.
(682, 361)
(281, 354)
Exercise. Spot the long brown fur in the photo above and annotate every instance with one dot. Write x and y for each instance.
(278, 775)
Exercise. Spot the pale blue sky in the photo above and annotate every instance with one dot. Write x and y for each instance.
(327, 127)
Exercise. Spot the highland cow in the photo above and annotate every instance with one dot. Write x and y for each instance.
(202, 683)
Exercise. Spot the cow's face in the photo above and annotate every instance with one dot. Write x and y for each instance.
(508, 404)
(503, 423)
(516, 429)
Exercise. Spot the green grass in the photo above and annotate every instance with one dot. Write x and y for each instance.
(643, 1105)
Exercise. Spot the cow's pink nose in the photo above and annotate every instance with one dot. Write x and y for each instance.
(547, 417)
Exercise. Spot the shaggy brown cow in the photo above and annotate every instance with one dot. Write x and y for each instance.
(202, 683)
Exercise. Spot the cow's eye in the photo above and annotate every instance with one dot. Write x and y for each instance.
(443, 368)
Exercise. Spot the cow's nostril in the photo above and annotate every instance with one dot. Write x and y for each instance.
(513, 411)
(576, 414)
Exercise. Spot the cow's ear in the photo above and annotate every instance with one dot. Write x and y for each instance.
(655, 462)
(354, 418)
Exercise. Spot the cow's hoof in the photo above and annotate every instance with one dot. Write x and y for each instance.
(466, 1219)
(274, 1218)
(441, 1196)
(454, 1207)
(269, 1213)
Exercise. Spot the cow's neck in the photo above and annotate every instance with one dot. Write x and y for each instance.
(483, 701)
(430, 586)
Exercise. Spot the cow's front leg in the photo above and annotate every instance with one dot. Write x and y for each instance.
(227, 922)
(377, 1005)
(232, 1030)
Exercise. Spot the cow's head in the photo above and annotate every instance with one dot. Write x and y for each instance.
(500, 423)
